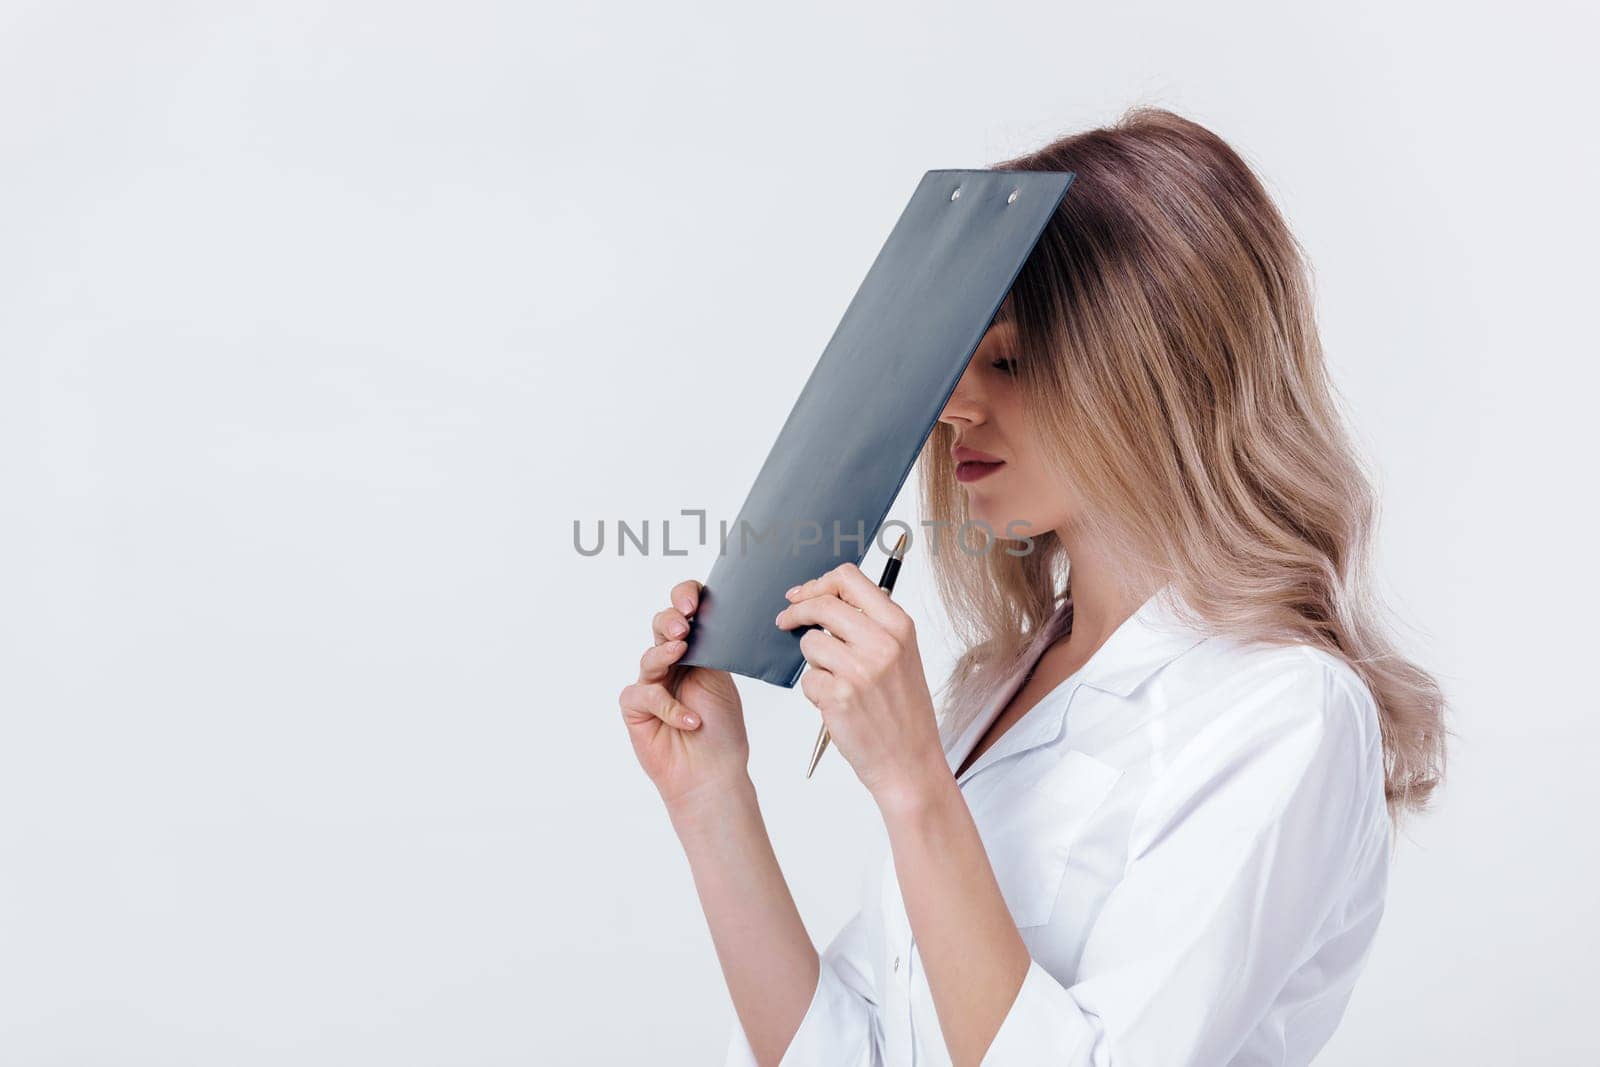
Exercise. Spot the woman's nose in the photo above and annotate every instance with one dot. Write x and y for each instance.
(966, 402)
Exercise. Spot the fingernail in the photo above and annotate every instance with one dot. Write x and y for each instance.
(691, 721)
(678, 629)
(792, 591)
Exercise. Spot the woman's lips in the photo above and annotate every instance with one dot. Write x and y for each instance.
(971, 471)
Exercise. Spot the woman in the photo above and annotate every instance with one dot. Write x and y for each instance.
(1152, 823)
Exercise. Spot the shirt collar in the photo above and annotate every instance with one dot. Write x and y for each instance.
(1153, 636)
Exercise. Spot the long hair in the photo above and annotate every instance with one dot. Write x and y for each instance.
(1172, 369)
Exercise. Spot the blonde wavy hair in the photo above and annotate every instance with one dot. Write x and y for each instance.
(1173, 371)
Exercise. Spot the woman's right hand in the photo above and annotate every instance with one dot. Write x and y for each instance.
(686, 723)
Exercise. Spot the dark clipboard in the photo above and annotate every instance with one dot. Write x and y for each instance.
(868, 407)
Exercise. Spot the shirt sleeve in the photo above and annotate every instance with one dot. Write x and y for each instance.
(841, 1028)
(1238, 858)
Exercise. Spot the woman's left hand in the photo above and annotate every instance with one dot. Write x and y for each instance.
(866, 678)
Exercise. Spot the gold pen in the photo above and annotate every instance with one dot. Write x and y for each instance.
(891, 571)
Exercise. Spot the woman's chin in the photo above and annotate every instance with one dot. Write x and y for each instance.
(1001, 521)
(982, 513)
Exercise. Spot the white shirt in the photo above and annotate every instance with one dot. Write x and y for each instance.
(1191, 835)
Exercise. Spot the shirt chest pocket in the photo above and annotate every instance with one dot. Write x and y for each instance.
(1029, 831)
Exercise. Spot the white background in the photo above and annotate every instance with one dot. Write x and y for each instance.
(320, 324)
